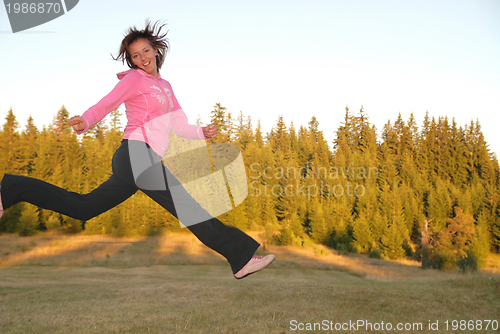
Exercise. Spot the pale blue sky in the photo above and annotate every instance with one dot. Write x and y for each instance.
(266, 58)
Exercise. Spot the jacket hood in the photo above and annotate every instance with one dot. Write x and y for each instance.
(122, 74)
(134, 70)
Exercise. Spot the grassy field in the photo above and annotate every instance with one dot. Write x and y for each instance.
(52, 284)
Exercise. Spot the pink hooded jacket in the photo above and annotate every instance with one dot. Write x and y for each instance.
(151, 109)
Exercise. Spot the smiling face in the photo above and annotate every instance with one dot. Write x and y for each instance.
(143, 56)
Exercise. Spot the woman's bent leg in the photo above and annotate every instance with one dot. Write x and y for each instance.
(235, 245)
(17, 188)
(157, 182)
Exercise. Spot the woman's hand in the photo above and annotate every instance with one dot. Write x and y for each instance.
(210, 131)
(77, 123)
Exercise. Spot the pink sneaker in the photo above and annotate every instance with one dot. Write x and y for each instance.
(255, 264)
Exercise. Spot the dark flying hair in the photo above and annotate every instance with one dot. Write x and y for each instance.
(152, 32)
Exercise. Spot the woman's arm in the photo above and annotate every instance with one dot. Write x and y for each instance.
(125, 89)
(180, 126)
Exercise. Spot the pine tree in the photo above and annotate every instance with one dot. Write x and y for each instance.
(294, 145)
(279, 138)
(480, 153)
(314, 128)
(458, 155)
(365, 213)
(397, 234)
(343, 142)
(28, 140)
(115, 123)
(254, 208)
(480, 244)
(243, 131)
(316, 221)
(28, 222)
(60, 123)
(11, 145)
(362, 234)
(219, 117)
(259, 139)
(341, 218)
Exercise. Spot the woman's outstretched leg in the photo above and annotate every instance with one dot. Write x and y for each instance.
(16, 188)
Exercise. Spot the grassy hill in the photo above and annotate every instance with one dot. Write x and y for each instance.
(174, 284)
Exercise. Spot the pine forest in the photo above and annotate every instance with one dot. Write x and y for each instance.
(428, 191)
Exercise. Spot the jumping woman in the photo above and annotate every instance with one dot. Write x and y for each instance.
(151, 110)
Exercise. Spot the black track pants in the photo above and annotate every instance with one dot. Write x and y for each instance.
(236, 246)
